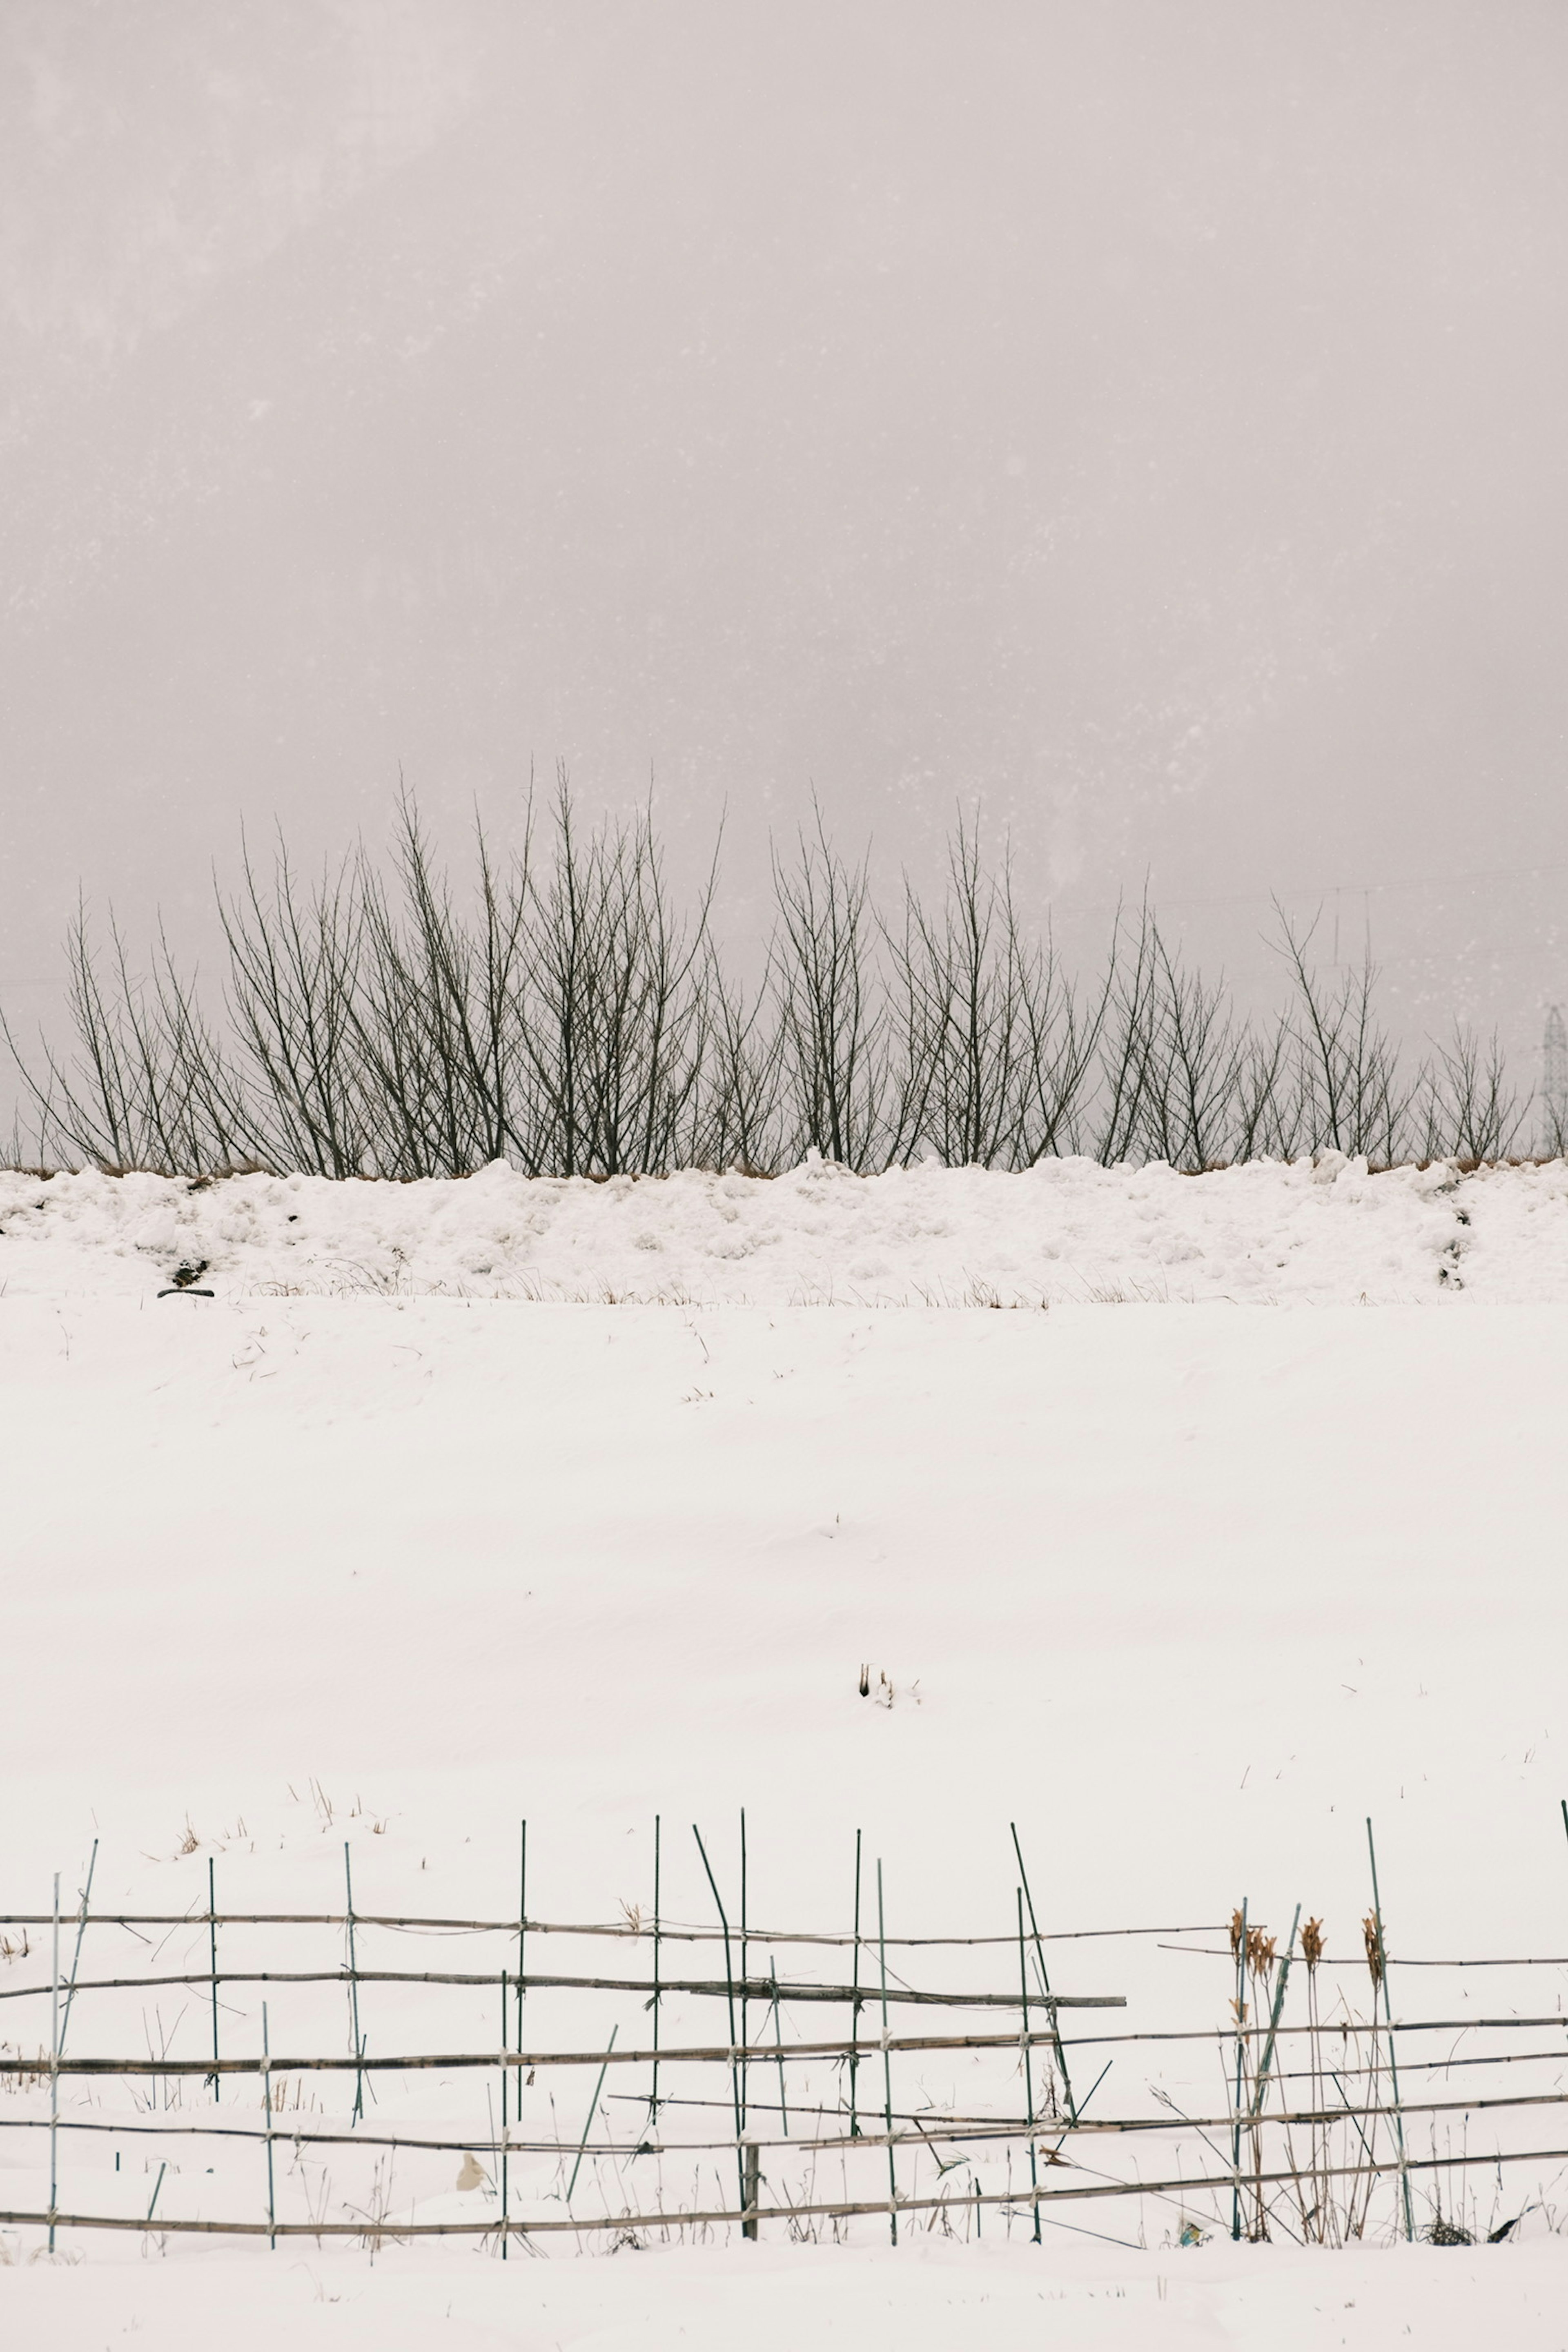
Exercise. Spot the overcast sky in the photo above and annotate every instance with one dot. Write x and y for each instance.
(1144, 422)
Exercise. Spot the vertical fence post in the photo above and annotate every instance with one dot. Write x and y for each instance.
(353, 1988)
(855, 2002)
(505, 2070)
(653, 2100)
(887, 2064)
(1240, 2007)
(745, 2025)
(55, 2069)
(212, 1955)
(1028, 2068)
(1045, 1981)
(778, 2046)
(267, 2108)
(521, 1929)
(1388, 2020)
(593, 2111)
(76, 1955)
(729, 1999)
(751, 2189)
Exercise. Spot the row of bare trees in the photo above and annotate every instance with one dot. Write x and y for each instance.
(568, 1017)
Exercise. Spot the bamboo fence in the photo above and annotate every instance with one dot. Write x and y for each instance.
(1315, 2137)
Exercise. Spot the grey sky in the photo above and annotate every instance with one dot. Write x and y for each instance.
(1147, 418)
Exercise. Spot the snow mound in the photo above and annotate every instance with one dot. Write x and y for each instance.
(1069, 1231)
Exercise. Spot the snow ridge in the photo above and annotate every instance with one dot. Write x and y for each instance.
(1069, 1231)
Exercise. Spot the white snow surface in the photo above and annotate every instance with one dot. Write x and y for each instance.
(406, 1534)
(1066, 1230)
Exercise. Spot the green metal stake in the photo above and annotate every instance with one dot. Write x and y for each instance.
(267, 2102)
(1262, 2086)
(854, 2004)
(730, 1998)
(1060, 2053)
(1388, 2021)
(887, 2064)
(156, 2186)
(593, 2110)
(1028, 2069)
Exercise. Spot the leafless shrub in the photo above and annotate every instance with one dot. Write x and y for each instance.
(831, 1011)
(570, 1018)
(1466, 1110)
(1352, 1095)
(989, 1053)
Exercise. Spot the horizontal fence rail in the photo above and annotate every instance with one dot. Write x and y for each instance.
(391, 2231)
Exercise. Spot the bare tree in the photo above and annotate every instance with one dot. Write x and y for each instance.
(611, 1013)
(1353, 1095)
(1465, 1109)
(831, 1013)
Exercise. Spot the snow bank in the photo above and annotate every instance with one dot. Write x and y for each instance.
(1067, 1231)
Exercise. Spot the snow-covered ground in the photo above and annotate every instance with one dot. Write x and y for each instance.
(391, 1541)
(935, 2299)
(1068, 1231)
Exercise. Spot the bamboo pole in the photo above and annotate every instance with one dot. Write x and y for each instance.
(421, 1921)
(1210, 2183)
(1028, 2076)
(354, 1986)
(80, 1931)
(653, 2099)
(1240, 2006)
(1388, 2020)
(925, 2132)
(1261, 2078)
(55, 2068)
(505, 2151)
(1045, 1979)
(521, 1929)
(757, 1988)
(855, 2009)
(751, 2195)
(778, 2046)
(888, 2064)
(212, 1954)
(735, 2061)
(267, 2105)
(593, 2111)
(745, 2024)
(730, 2053)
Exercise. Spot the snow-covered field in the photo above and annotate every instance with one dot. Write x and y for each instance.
(405, 1534)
